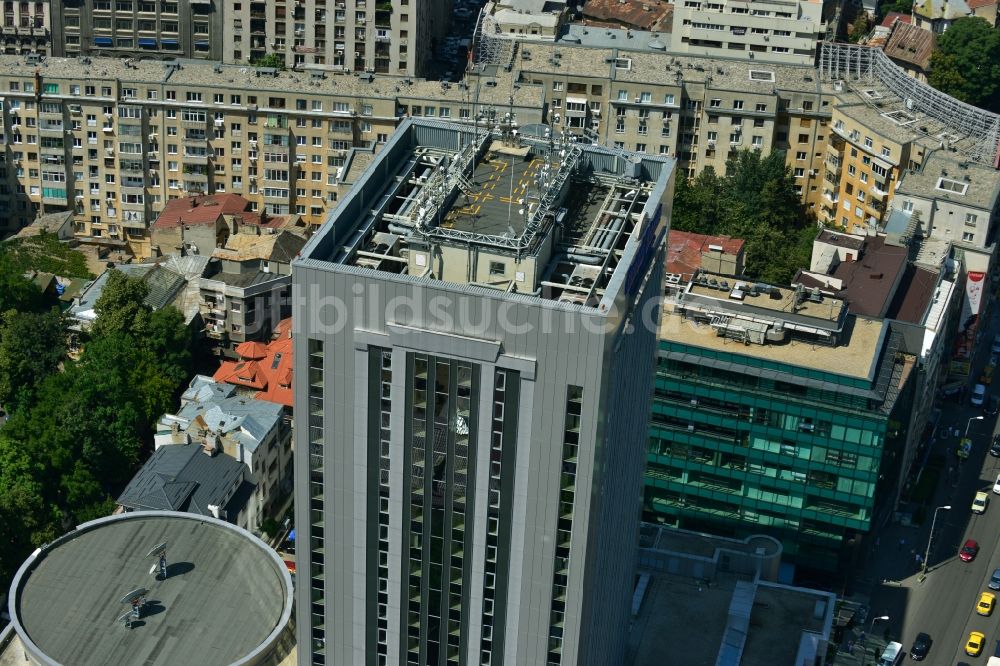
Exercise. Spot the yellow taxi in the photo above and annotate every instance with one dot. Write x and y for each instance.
(975, 644)
(986, 602)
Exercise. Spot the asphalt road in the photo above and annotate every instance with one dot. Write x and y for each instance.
(943, 604)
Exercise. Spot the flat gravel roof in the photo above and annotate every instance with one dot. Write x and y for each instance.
(224, 594)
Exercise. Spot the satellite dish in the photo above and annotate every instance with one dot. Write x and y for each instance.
(125, 618)
(153, 569)
(134, 595)
(156, 550)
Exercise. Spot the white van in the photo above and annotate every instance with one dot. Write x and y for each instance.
(892, 655)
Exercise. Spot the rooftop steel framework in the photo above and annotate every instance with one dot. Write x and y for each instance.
(866, 66)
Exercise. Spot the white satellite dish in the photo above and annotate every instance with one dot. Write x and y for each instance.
(153, 569)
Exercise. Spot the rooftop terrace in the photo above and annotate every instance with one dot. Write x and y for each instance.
(856, 355)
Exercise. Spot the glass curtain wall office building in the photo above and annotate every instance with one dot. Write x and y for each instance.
(477, 449)
(774, 428)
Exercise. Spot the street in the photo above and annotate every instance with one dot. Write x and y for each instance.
(942, 604)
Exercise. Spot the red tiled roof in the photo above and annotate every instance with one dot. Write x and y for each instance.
(684, 250)
(283, 329)
(976, 4)
(204, 209)
(269, 371)
(892, 17)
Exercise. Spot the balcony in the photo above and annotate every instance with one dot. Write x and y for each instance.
(195, 158)
(879, 189)
(216, 332)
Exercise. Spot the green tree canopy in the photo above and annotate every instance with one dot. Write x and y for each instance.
(121, 307)
(966, 63)
(756, 201)
(270, 60)
(67, 453)
(31, 346)
(16, 291)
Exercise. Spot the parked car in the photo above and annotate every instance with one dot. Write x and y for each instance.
(995, 446)
(996, 485)
(992, 406)
(978, 395)
(974, 646)
(892, 655)
(920, 647)
(994, 583)
(987, 600)
(969, 550)
(980, 502)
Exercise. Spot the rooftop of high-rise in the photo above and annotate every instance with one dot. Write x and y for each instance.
(515, 214)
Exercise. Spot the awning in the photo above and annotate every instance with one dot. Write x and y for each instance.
(201, 44)
(147, 42)
(169, 43)
(103, 41)
(576, 100)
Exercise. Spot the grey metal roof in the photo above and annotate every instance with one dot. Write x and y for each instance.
(183, 478)
(203, 388)
(190, 266)
(243, 419)
(164, 286)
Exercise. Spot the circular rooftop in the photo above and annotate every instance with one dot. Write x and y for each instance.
(227, 597)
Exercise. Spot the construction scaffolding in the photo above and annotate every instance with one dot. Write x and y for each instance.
(869, 71)
(490, 46)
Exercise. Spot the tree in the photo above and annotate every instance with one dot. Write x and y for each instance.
(31, 347)
(27, 517)
(121, 308)
(860, 27)
(16, 291)
(756, 201)
(274, 60)
(898, 6)
(966, 63)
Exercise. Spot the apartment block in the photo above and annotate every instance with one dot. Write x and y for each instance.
(376, 36)
(27, 27)
(772, 30)
(950, 199)
(476, 483)
(114, 140)
(776, 410)
(885, 126)
(144, 28)
(696, 109)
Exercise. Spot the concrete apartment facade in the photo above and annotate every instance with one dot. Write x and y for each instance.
(472, 492)
(27, 27)
(143, 28)
(114, 140)
(772, 30)
(375, 36)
